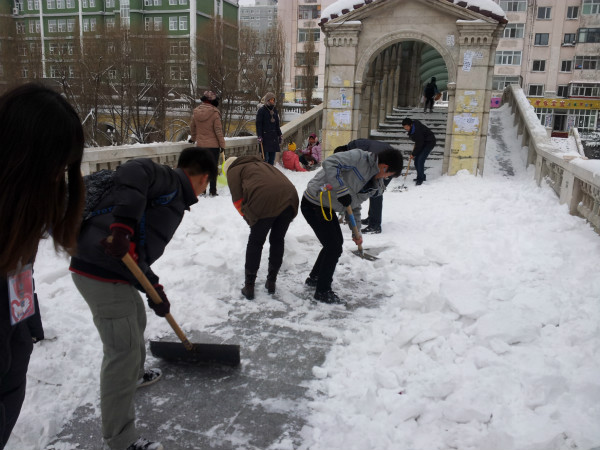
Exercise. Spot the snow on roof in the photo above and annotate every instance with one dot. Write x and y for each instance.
(484, 7)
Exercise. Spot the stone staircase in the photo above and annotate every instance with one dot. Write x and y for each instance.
(391, 131)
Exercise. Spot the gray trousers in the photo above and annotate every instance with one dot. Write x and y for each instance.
(120, 316)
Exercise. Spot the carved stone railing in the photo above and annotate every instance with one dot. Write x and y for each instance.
(98, 158)
(575, 180)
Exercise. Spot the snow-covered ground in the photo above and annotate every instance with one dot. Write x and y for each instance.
(486, 337)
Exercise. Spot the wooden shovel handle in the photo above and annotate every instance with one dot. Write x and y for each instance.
(354, 228)
(149, 289)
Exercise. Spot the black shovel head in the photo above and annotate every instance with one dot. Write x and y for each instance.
(225, 354)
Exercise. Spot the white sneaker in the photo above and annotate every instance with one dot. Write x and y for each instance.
(151, 376)
(145, 444)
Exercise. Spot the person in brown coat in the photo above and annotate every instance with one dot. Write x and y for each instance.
(207, 130)
(268, 201)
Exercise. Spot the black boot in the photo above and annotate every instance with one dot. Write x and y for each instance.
(271, 279)
(248, 289)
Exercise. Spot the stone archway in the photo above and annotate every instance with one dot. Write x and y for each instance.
(464, 37)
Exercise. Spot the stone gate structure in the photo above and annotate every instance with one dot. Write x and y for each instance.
(380, 52)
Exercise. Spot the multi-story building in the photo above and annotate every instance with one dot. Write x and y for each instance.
(300, 20)
(43, 34)
(261, 16)
(552, 49)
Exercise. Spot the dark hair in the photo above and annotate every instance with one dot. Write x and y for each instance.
(393, 159)
(197, 161)
(214, 102)
(407, 121)
(40, 138)
(341, 148)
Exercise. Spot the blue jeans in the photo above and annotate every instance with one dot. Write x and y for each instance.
(270, 157)
(420, 161)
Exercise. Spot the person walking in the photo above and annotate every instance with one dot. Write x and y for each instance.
(373, 220)
(430, 92)
(424, 140)
(345, 179)
(267, 128)
(268, 202)
(206, 129)
(41, 146)
(140, 211)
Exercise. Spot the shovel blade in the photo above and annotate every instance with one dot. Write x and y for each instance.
(365, 255)
(225, 354)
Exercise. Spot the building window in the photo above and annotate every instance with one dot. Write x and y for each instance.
(572, 12)
(112, 74)
(566, 65)
(147, 2)
(177, 73)
(174, 48)
(508, 58)
(183, 48)
(51, 4)
(569, 39)
(303, 34)
(544, 12)
(22, 50)
(541, 38)
(183, 2)
(20, 27)
(86, 24)
(147, 23)
(590, 7)
(70, 25)
(306, 12)
(513, 5)
(62, 25)
(51, 26)
(172, 2)
(183, 23)
(34, 26)
(586, 62)
(536, 90)
(84, 3)
(500, 82)
(54, 72)
(585, 90)
(172, 23)
(587, 35)
(301, 82)
(157, 23)
(60, 4)
(514, 30)
(539, 65)
(92, 3)
(110, 23)
(563, 90)
(125, 14)
(157, 2)
(24, 72)
(301, 59)
(70, 4)
(53, 48)
(110, 48)
(110, 3)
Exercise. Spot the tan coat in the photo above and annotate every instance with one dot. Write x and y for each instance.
(259, 190)
(206, 127)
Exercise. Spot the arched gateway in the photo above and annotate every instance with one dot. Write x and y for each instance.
(379, 52)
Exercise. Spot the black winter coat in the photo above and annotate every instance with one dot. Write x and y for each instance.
(421, 136)
(369, 145)
(267, 130)
(150, 198)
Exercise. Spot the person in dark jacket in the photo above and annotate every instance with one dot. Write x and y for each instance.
(373, 220)
(267, 128)
(140, 212)
(430, 92)
(345, 179)
(424, 140)
(41, 147)
(268, 202)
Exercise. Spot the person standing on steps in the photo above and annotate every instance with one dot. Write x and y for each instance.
(42, 196)
(267, 128)
(424, 140)
(206, 129)
(268, 202)
(346, 179)
(430, 92)
(140, 210)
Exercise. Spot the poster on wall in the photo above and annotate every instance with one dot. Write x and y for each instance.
(570, 121)
(548, 121)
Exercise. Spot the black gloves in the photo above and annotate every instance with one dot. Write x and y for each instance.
(222, 150)
(162, 309)
(345, 200)
(191, 141)
(121, 237)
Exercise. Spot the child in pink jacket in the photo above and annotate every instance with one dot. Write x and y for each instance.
(290, 159)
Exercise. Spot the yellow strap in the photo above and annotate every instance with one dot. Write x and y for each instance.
(323, 210)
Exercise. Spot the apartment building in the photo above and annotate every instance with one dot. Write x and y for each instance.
(552, 49)
(48, 31)
(300, 20)
(261, 16)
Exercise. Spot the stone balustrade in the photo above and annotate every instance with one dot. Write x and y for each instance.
(98, 158)
(575, 180)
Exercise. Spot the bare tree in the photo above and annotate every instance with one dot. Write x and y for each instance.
(309, 63)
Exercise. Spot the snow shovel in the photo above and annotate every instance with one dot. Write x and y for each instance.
(356, 233)
(403, 187)
(197, 353)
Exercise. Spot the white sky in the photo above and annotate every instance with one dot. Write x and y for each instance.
(486, 335)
